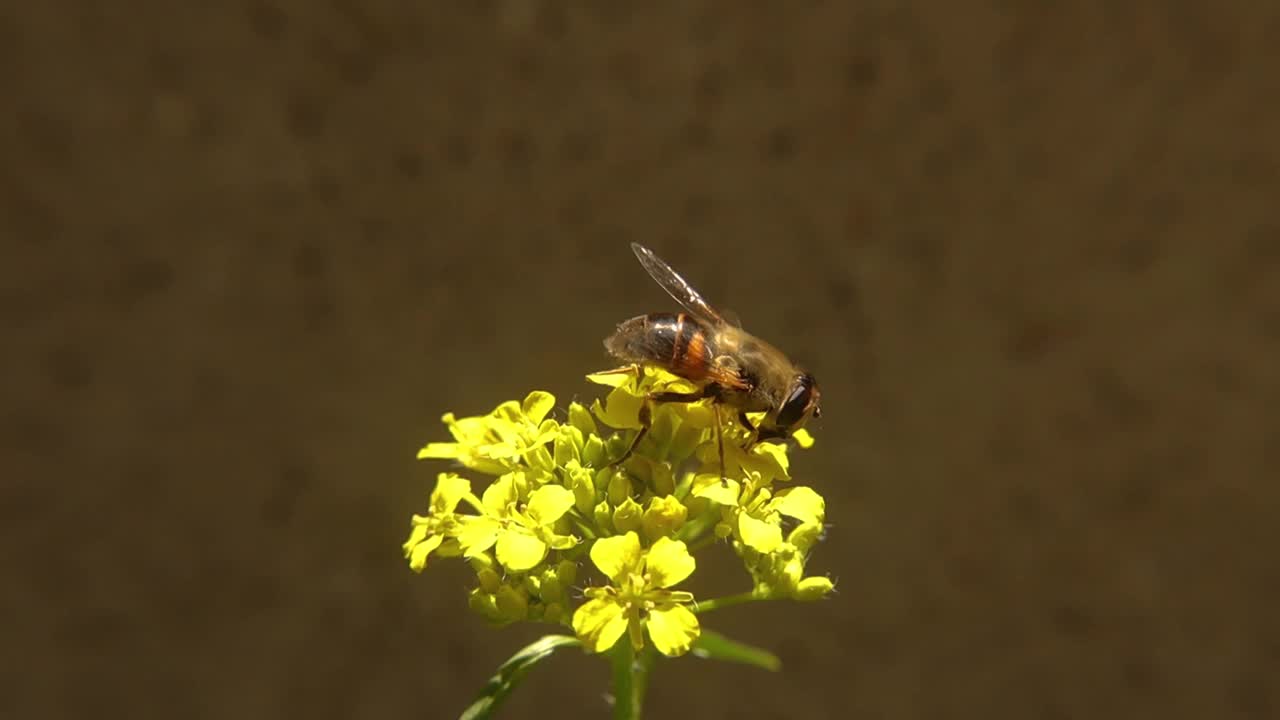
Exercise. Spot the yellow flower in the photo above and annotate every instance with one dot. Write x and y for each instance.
(639, 597)
(755, 519)
(496, 443)
(430, 531)
(522, 533)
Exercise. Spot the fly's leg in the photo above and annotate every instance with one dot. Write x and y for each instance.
(763, 434)
(645, 422)
(633, 368)
(646, 415)
(720, 444)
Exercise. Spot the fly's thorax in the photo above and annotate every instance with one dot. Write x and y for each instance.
(766, 370)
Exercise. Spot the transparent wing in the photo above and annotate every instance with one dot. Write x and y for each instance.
(676, 286)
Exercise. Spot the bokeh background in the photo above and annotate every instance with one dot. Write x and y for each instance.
(254, 249)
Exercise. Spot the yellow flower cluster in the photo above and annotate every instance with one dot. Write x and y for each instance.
(558, 496)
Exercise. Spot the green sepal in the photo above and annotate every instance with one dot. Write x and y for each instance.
(511, 672)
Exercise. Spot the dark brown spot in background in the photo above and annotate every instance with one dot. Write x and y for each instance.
(69, 367)
(143, 279)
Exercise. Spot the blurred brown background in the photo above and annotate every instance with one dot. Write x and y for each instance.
(253, 250)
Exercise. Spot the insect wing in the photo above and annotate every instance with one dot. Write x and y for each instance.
(677, 287)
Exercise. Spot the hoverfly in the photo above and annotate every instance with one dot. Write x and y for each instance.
(732, 367)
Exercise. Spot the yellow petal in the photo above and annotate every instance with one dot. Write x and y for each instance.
(759, 535)
(669, 562)
(556, 541)
(621, 409)
(805, 535)
(478, 534)
(450, 489)
(549, 503)
(803, 438)
(613, 378)
(665, 381)
(715, 489)
(418, 556)
(801, 503)
(500, 495)
(518, 551)
(673, 630)
(599, 623)
(509, 412)
(416, 535)
(537, 404)
(614, 556)
(769, 459)
(463, 430)
(439, 451)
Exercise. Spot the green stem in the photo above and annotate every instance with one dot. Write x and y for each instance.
(630, 678)
(694, 529)
(705, 542)
(726, 601)
(581, 524)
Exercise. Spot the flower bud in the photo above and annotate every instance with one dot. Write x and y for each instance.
(551, 589)
(580, 418)
(533, 585)
(584, 488)
(489, 580)
(815, 587)
(449, 548)
(568, 444)
(603, 515)
(539, 458)
(553, 612)
(663, 481)
(567, 572)
(593, 454)
(512, 604)
(627, 517)
(619, 488)
(481, 561)
(664, 516)
(723, 530)
(484, 604)
(792, 571)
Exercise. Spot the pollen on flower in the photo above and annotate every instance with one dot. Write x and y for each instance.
(573, 517)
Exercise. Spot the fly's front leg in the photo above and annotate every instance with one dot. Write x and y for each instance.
(765, 433)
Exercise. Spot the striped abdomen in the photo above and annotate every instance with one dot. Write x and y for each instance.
(675, 341)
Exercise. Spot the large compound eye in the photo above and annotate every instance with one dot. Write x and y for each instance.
(797, 402)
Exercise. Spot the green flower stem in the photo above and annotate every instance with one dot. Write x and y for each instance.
(630, 678)
(704, 606)
(694, 529)
(581, 524)
(705, 542)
